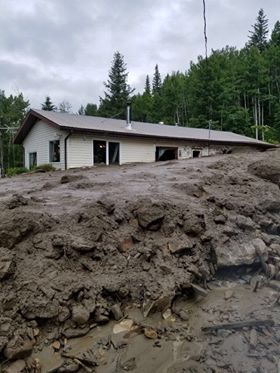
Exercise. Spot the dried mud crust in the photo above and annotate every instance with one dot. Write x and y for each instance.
(73, 255)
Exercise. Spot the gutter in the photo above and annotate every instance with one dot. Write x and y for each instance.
(65, 149)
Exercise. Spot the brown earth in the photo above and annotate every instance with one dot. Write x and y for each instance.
(79, 248)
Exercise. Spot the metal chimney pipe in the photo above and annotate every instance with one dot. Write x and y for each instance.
(128, 116)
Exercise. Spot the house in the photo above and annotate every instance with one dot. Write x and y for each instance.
(68, 141)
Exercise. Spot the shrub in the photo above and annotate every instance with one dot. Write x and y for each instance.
(16, 171)
(45, 167)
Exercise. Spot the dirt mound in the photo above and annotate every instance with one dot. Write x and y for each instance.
(67, 264)
(267, 170)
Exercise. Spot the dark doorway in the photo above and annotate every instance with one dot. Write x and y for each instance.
(166, 153)
(32, 160)
(114, 153)
(196, 153)
(99, 152)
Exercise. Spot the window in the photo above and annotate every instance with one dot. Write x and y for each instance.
(32, 160)
(55, 151)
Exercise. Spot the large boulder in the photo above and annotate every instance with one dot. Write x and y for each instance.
(236, 254)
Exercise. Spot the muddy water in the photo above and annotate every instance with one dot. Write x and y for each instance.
(181, 346)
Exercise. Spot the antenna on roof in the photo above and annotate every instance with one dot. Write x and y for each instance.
(128, 116)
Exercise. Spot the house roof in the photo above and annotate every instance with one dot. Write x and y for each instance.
(82, 123)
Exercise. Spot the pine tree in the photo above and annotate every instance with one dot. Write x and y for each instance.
(91, 110)
(118, 91)
(147, 85)
(258, 36)
(48, 105)
(81, 110)
(275, 36)
(156, 81)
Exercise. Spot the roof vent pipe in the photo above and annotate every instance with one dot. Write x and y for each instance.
(128, 116)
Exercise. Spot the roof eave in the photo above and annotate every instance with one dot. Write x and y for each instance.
(31, 118)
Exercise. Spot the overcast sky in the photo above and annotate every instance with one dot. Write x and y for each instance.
(64, 48)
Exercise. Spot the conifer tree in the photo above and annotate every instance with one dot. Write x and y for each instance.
(156, 81)
(258, 36)
(118, 91)
(48, 105)
(275, 36)
(147, 85)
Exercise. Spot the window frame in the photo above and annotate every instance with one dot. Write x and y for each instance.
(51, 151)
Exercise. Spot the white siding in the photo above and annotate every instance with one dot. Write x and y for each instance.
(38, 140)
(137, 150)
(79, 150)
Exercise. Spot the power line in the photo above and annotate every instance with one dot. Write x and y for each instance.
(205, 29)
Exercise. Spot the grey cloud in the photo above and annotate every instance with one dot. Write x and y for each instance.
(64, 48)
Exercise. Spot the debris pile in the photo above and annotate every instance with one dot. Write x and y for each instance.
(65, 270)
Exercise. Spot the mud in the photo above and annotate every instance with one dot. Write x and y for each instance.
(79, 247)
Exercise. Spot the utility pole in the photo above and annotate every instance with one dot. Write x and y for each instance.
(1, 149)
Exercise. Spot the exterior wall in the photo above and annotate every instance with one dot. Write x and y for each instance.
(80, 147)
(80, 151)
(38, 140)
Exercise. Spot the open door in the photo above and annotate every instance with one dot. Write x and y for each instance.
(114, 153)
(164, 153)
(99, 152)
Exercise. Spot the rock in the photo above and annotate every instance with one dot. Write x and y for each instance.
(236, 254)
(80, 315)
(18, 348)
(253, 338)
(194, 224)
(228, 294)
(117, 312)
(16, 367)
(220, 219)
(167, 314)
(123, 326)
(7, 264)
(78, 244)
(64, 314)
(40, 308)
(5, 326)
(244, 223)
(150, 333)
(126, 244)
(76, 332)
(56, 345)
(150, 218)
(159, 305)
(179, 246)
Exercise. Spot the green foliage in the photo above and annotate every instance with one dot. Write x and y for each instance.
(91, 109)
(258, 37)
(48, 105)
(16, 171)
(117, 92)
(12, 112)
(47, 167)
(156, 81)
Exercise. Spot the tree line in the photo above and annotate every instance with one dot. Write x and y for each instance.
(237, 90)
